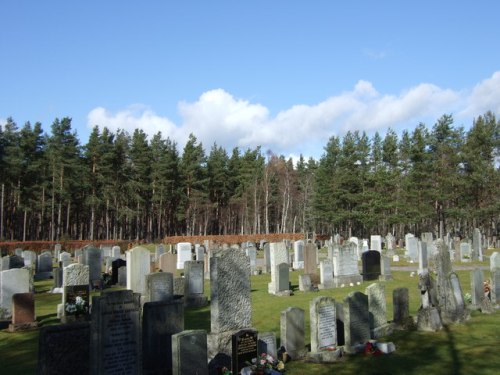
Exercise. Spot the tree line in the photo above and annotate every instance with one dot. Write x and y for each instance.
(122, 186)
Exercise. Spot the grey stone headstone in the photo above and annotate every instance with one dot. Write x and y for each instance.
(385, 268)
(115, 252)
(18, 252)
(116, 333)
(122, 275)
(92, 257)
(283, 279)
(423, 266)
(298, 248)
(323, 324)
(160, 249)
(477, 287)
(376, 243)
(16, 261)
(267, 344)
(138, 266)
(356, 320)
(495, 262)
(305, 283)
(495, 286)
(412, 245)
(231, 307)
(167, 262)
(160, 321)
(377, 307)
(401, 306)
(200, 252)
(57, 250)
(12, 281)
(194, 284)
(310, 260)
(292, 327)
(326, 274)
(30, 258)
(279, 254)
(183, 254)
(64, 349)
(251, 253)
(159, 287)
(267, 258)
(189, 353)
(477, 246)
(4, 263)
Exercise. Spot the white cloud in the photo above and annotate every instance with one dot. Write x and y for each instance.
(484, 97)
(219, 117)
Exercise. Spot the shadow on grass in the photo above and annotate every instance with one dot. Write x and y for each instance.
(197, 318)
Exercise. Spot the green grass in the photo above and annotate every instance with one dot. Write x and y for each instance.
(469, 348)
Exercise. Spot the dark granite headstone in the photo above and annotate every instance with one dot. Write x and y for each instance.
(371, 265)
(115, 265)
(189, 353)
(244, 348)
(64, 349)
(16, 261)
(161, 320)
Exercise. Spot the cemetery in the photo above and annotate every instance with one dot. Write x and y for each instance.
(214, 308)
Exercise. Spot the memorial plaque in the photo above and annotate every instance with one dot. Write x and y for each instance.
(244, 349)
(160, 286)
(323, 324)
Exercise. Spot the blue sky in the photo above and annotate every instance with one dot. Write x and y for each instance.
(285, 75)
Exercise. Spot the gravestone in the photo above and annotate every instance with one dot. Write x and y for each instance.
(376, 243)
(122, 276)
(495, 286)
(23, 312)
(477, 245)
(377, 310)
(161, 320)
(159, 287)
(189, 353)
(18, 252)
(244, 349)
(230, 303)
(326, 274)
(115, 332)
(30, 258)
(116, 252)
(4, 263)
(75, 284)
(183, 254)
(200, 252)
(323, 324)
(267, 344)
(105, 251)
(401, 307)
(159, 250)
(251, 253)
(292, 328)
(310, 259)
(64, 349)
(495, 261)
(477, 287)
(92, 257)
(179, 287)
(364, 246)
(305, 284)
(412, 247)
(298, 257)
(390, 242)
(16, 261)
(194, 284)
(423, 259)
(385, 269)
(428, 316)
(168, 263)
(57, 250)
(279, 254)
(138, 266)
(345, 266)
(356, 321)
(371, 265)
(64, 257)
(465, 252)
(115, 265)
(267, 258)
(12, 281)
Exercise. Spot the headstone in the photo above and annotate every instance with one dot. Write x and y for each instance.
(92, 257)
(423, 260)
(400, 306)
(161, 320)
(230, 304)
(326, 274)
(194, 284)
(477, 245)
(168, 263)
(377, 309)
(115, 265)
(12, 281)
(179, 286)
(371, 265)
(4, 263)
(267, 258)
(305, 284)
(356, 321)
(345, 266)
(465, 252)
(64, 349)
(200, 252)
(298, 249)
(310, 260)
(18, 252)
(390, 242)
(23, 312)
(64, 256)
(30, 258)
(76, 294)
(189, 353)
(115, 332)
(251, 253)
(183, 254)
(495, 262)
(323, 324)
(292, 327)
(16, 261)
(364, 246)
(159, 250)
(279, 254)
(57, 250)
(477, 287)
(244, 349)
(495, 286)
(122, 276)
(376, 243)
(385, 269)
(115, 252)
(159, 287)
(267, 344)
(138, 266)
(412, 246)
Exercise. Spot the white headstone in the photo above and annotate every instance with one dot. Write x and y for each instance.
(183, 254)
(138, 266)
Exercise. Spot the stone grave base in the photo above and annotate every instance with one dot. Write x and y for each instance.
(428, 319)
(326, 356)
(22, 327)
(195, 301)
(385, 278)
(329, 285)
(385, 330)
(406, 325)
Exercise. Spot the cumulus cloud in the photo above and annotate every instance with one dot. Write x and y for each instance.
(217, 116)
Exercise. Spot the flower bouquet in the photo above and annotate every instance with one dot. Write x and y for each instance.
(267, 364)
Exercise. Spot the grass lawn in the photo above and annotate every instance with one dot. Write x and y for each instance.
(469, 348)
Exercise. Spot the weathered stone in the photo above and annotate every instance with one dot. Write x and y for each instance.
(159, 287)
(323, 324)
(292, 326)
(12, 281)
(138, 266)
(189, 353)
(356, 321)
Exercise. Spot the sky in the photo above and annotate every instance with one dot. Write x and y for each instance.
(283, 75)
